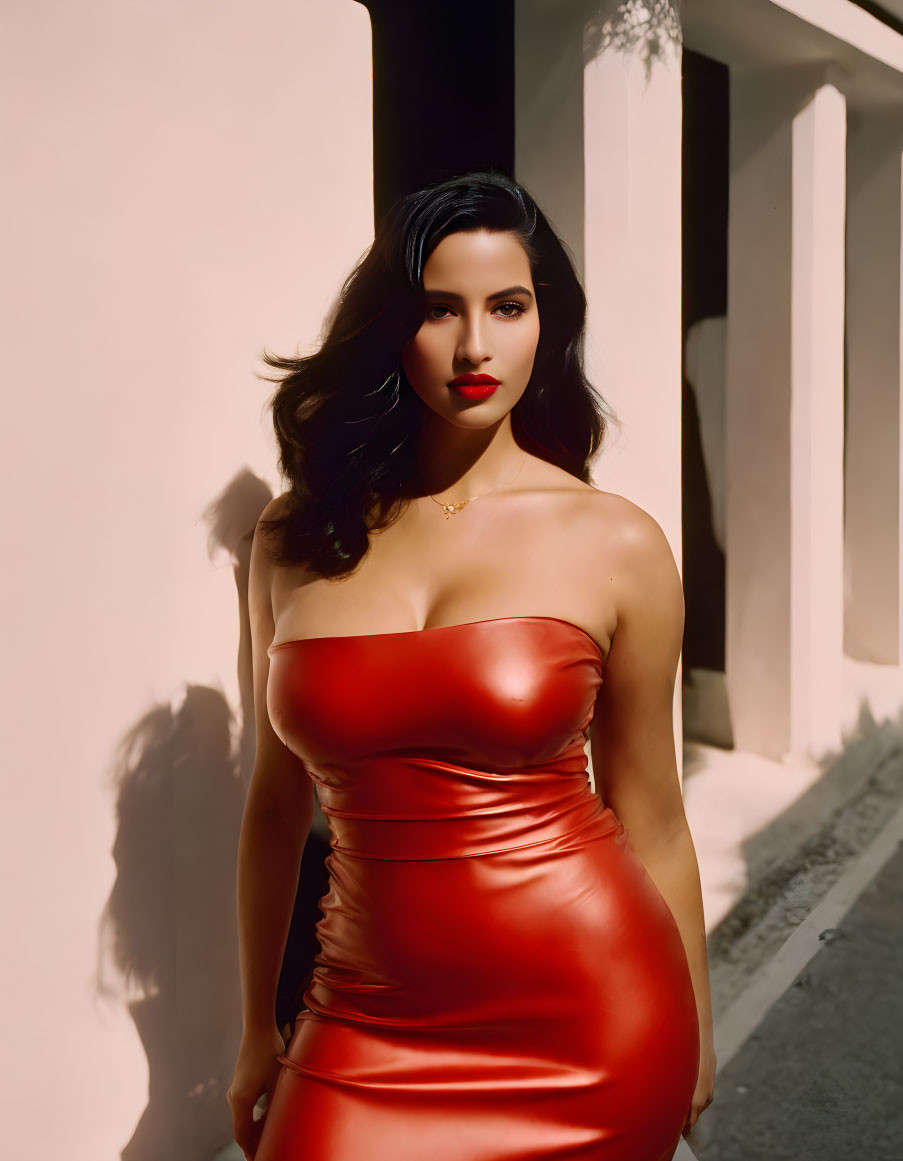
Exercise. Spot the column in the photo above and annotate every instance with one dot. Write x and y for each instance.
(873, 534)
(784, 418)
(599, 144)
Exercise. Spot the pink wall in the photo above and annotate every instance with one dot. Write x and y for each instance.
(190, 182)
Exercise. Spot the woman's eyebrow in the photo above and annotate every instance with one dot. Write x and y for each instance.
(489, 297)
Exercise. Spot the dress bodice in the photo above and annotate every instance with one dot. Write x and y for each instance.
(479, 726)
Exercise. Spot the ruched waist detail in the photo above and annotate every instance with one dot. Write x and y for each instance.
(452, 812)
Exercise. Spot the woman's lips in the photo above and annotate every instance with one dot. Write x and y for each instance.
(474, 386)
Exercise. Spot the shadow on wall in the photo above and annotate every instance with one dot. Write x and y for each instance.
(169, 925)
(168, 939)
(652, 27)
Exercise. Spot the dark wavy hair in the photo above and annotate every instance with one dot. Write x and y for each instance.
(346, 418)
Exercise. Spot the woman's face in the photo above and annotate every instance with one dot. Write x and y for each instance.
(481, 319)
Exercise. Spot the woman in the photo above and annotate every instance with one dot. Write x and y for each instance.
(512, 967)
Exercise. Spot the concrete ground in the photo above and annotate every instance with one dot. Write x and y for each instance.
(822, 1075)
(732, 798)
(808, 1022)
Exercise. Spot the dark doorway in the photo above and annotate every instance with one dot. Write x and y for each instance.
(706, 121)
(443, 92)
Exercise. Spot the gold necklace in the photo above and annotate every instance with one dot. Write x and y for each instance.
(451, 509)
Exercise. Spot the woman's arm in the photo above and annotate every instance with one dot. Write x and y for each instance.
(632, 739)
(275, 825)
(273, 834)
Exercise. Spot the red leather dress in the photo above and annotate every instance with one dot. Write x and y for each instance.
(499, 977)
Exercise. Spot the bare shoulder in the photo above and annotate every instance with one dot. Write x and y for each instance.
(276, 508)
(629, 542)
(627, 525)
(612, 528)
(266, 538)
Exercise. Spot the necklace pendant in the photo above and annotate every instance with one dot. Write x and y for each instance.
(451, 509)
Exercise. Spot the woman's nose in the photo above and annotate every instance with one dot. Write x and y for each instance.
(472, 347)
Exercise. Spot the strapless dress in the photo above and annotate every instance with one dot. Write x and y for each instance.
(498, 977)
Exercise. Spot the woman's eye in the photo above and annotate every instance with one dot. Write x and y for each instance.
(510, 309)
(518, 309)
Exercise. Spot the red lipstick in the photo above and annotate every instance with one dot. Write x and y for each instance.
(474, 386)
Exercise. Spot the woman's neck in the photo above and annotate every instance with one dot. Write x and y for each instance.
(455, 459)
